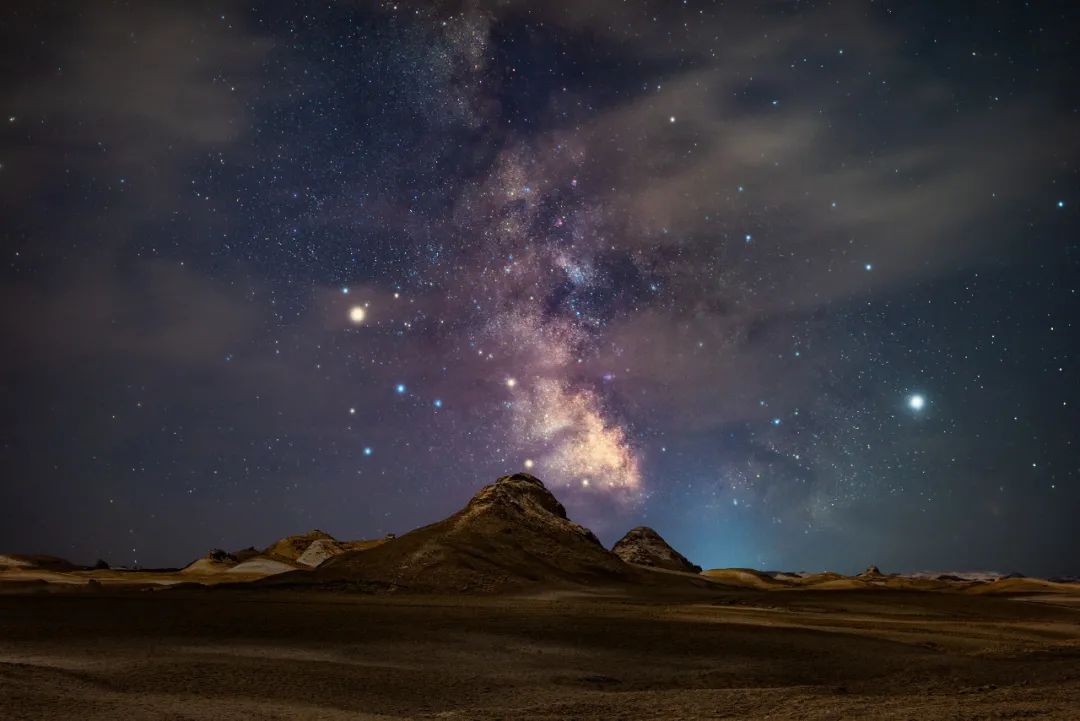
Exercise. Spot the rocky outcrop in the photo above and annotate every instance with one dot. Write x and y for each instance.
(645, 547)
(319, 550)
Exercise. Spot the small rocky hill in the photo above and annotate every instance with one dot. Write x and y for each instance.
(216, 561)
(293, 547)
(645, 547)
(301, 551)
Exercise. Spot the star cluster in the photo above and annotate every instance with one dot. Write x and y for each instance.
(793, 283)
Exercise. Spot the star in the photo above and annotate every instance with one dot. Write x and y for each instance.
(916, 402)
(357, 314)
(400, 389)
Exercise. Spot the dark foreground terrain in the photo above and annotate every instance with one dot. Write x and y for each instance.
(263, 654)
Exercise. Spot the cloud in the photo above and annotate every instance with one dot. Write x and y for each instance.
(132, 94)
(156, 312)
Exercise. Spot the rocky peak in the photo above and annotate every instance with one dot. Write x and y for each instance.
(521, 492)
(870, 572)
(646, 547)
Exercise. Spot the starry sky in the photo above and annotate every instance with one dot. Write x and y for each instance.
(794, 283)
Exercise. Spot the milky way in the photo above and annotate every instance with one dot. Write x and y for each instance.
(794, 283)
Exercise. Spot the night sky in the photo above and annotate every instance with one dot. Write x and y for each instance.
(794, 283)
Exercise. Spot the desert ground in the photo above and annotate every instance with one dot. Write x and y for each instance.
(112, 652)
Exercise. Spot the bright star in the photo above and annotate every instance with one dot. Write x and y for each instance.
(357, 314)
(367, 451)
(916, 402)
(438, 403)
(510, 382)
(529, 463)
(1061, 203)
(399, 388)
(869, 266)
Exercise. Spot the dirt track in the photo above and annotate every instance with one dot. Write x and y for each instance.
(800, 655)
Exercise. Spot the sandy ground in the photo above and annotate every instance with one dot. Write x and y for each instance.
(243, 654)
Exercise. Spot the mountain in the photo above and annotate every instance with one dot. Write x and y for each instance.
(513, 534)
(646, 547)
